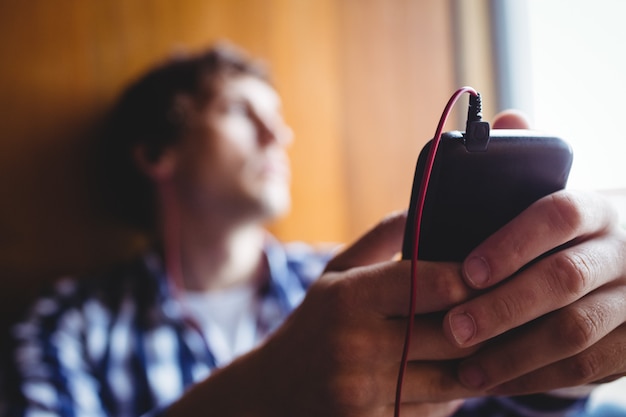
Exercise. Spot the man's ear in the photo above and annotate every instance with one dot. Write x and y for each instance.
(159, 169)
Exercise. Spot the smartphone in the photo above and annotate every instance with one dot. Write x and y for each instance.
(472, 193)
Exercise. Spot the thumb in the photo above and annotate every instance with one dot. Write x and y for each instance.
(510, 119)
(381, 243)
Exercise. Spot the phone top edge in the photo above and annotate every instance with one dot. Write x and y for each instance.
(511, 136)
(506, 133)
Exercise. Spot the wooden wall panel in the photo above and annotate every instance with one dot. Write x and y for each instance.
(397, 75)
(363, 82)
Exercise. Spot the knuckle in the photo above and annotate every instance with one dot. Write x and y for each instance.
(518, 247)
(564, 213)
(578, 329)
(507, 309)
(585, 367)
(570, 273)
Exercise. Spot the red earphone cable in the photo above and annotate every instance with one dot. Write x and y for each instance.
(172, 251)
(418, 220)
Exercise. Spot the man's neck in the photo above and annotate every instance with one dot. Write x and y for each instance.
(215, 257)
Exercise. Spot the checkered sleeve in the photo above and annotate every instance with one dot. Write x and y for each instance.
(50, 375)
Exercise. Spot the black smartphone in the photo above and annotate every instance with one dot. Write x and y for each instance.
(472, 193)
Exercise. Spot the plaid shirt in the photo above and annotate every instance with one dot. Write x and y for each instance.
(118, 344)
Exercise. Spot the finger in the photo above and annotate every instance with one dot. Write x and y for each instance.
(380, 344)
(441, 409)
(381, 243)
(564, 333)
(427, 340)
(431, 381)
(547, 224)
(376, 385)
(605, 360)
(551, 283)
(510, 119)
(383, 289)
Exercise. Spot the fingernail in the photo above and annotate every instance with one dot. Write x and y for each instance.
(476, 271)
(463, 327)
(472, 376)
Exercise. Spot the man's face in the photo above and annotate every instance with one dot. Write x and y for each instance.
(231, 158)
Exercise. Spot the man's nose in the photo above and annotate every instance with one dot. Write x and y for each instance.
(274, 131)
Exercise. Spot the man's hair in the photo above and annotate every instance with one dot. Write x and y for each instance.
(146, 115)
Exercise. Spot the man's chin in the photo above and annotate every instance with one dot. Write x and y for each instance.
(268, 203)
(276, 211)
(277, 205)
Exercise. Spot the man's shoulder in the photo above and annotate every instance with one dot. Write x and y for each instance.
(107, 287)
(302, 251)
(307, 260)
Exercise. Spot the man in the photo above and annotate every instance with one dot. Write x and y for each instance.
(220, 319)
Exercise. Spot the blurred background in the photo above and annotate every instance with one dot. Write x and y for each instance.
(363, 84)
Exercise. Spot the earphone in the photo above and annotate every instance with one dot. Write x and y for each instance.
(473, 117)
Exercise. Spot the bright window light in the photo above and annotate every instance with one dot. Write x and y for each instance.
(577, 60)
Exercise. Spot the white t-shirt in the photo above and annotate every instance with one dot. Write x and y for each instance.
(227, 319)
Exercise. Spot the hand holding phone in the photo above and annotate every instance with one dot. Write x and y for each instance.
(467, 186)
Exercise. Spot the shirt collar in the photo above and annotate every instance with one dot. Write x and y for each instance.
(282, 283)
